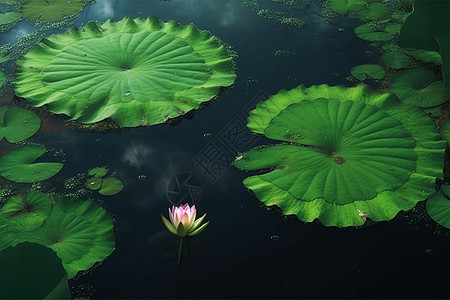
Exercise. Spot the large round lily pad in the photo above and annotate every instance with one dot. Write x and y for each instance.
(32, 271)
(26, 212)
(17, 124)
(418, 87)
(396, 60)
(135, 71)
(111, 186)
(17, 165)
(80, 232)
(369, 33)
(352, 154)
(50, 10)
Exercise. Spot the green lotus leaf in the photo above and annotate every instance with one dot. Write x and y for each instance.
(80, 232)
(425, 56)
(17, 165)
(32, 271)
(9, 17)
(26, 212)
(98, 172)
(369, 33)
(353, 154)
(362, 72)
(438, 207)
(6, 238)
(17, 124)
(396, 60)
(2, 78)
(94, 183)
(344, 6)
(374, 11)
(111, 186)
(393, 29)
(418, 87)
(427, 28)
(135, 71)
(50, 10)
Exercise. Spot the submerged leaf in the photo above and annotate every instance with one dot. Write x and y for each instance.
(135, 71)
(32, 271)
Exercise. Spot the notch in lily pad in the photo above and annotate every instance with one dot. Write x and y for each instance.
(18, 165)
(17, 124)
(419, 87)
(363, 72)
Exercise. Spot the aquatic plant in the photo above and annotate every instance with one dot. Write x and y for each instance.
(32, 271)
(362, 9)
(50, 10)
(428, 28)
(419, 87)
(17, 165)
(106, 186)
(9, 17)
(396, 60)
(26, 212)
(80, 232)
(17, 124)
(349, 154)
(183, 223)
(438, 206)
(362, 72)
(135, 71)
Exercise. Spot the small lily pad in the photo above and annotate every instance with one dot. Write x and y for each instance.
(373, 11)
(32, 271)
(396, 60)
(362, 72)
(111, 186)
(17, 124)
(50, 10)
(9, 17)
(393, 28)
(26, 212)
(17, 165)
(438, 207)
(345, 6)
(418, 87)
(98, 172)
(425, 56)
(94, 183)
(369, 33)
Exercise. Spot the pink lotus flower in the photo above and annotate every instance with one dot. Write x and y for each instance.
(183, 222)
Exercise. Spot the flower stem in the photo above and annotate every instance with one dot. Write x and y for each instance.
(180, 251)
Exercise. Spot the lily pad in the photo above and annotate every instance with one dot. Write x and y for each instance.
(438, 207)
(80, 232)
(111, 186)
(425, 56)
(374, 10)
(346, 6)
(26, 212)
(396, 60)
(427, 28)
(17, 165)
(369, 33)
(50, 10)
(339, 137)
(418, 87)
(362, 72)
(2, 78)
(98, 172)
(393, 28)
(17, 124)
(135, 71)
(94, 183)
(9, 17)
(32, 271)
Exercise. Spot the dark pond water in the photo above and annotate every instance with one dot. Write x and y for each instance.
(247, 251)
